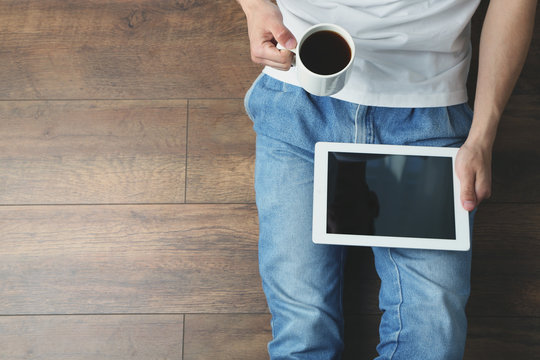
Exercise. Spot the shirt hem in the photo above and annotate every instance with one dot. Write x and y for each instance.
(416, 100)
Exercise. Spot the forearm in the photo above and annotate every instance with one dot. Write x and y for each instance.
(505, 39)
(247, 5)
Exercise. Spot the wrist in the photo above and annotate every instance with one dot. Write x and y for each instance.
(249, 5)
(482, 134)
(483, 143)
(485, 123)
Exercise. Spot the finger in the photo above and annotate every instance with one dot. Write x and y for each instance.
(468, 193)
(283, 36)
(271, 56)
(483, 187)
(278, 66)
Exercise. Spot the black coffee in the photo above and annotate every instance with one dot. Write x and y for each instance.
(325, 52)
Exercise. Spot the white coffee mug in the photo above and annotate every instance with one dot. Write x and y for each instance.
(317, 84)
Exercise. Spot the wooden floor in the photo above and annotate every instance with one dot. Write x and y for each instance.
(127, 221)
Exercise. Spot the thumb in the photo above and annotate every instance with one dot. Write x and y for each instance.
(468, 195)
(283, 36)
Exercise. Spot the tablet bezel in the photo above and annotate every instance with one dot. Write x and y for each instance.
(320, 235)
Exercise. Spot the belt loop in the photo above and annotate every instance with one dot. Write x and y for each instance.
(356, 124)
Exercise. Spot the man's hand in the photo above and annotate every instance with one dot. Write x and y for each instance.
(266, 30)
(473, 168)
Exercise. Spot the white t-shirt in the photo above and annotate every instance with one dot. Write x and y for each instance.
(409, 53)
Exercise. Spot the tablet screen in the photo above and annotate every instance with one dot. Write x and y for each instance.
(390, 195)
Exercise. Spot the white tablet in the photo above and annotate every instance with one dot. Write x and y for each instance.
(389, 196)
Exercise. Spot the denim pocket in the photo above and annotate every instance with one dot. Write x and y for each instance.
(460, 119)
(435, 126)
(248, 95)
(468, 110)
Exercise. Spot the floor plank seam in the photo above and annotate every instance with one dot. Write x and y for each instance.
(183, 335)
(131, 204)
(92, 314)
(123, 99)
(187, 150)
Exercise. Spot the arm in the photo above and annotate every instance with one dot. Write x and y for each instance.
(265, 30)
(505, 39)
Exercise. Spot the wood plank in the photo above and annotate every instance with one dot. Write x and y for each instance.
(529, 80)
(91, 337)
(361, 337)
(227, 336)
(516, 156)
(129, 259)
(362, 284)
(221, 153)
(505, 270)
(503, 338)
(90, 152)
(132, 49)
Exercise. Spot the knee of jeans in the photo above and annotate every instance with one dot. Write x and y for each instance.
(442, 309)
(301, 277)
(444, 272)
(433, 325)
(308, 334)
(291, 278)
(447, 296)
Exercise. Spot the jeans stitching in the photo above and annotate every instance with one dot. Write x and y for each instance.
(369, 125)
(356, 124)
(248, 94)
(400, 303)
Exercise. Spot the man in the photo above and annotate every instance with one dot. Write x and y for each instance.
(407, 87)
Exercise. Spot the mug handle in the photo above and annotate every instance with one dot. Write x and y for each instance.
(281, 47)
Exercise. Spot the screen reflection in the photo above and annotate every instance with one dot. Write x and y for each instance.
(390, 195)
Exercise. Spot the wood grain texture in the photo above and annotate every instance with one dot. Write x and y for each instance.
(119, 337)
(221, 153)
(529, 79)
(516, 155)
(227, 337)
(92, 152)
(129, 259)
(133, 49)
(502, 338)
(362, 284)
(361, 337)
(505, 266)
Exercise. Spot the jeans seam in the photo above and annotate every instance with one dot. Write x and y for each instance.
(356, 124)
(368, 124)
(399, 305)
(248, 94)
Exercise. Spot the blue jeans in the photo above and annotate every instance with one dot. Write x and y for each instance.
(423, 293)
